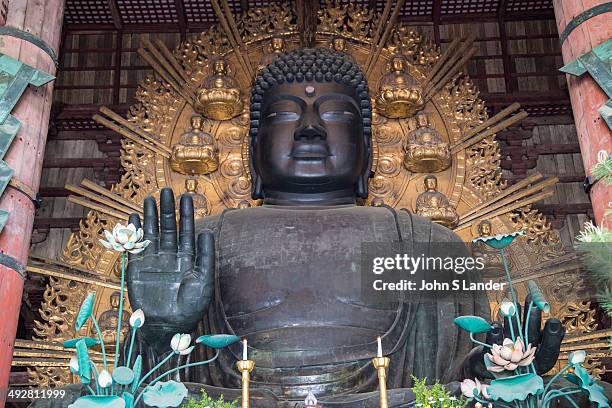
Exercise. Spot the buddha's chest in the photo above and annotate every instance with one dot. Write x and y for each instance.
(282, 268)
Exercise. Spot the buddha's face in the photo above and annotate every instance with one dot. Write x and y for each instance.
(114, 301)
(278, 44)
(310, 139)
(339, 44)
(431, 184)
(398, 64)
(220, 67)
(484, 228)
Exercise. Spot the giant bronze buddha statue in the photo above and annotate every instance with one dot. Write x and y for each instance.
(286, 274)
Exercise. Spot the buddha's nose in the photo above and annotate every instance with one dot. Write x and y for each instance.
(311, 133)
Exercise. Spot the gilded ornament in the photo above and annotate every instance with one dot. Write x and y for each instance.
(434, 205)
(425, 151)
(276, 47)
(219, 97)
(399, 94)
(108, 321)
(196, 152)
(200, 202)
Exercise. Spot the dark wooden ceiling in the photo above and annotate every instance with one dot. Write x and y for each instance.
(192, 15)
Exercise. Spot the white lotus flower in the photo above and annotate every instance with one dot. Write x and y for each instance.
(104, 379)
(74, 365)
(125, 238)
(180, 344)
(137, 318)
(507, 308)
(510, 355)
(471, 388)
(577, 357)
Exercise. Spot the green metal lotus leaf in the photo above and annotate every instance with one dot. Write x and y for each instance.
(129, 399)
(85, 311)
(83, 358)
(499, 241)
(537, 297)
(123, 375)
(137, 369)
(89, 342)
(165, 394)
(515, 388)
(218, 341)
(473, 324)
(595, 391)
(98, 401)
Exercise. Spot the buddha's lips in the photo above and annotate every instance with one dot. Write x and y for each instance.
(310, 150)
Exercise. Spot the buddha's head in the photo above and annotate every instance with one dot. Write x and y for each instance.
(220, 67)
(115, 297)
(422, 120)
(310, 129)
(277, 44)
(191, 185)
(339, 44)
(196, 122)
(485, 228)
(398, 64)
(431, 183)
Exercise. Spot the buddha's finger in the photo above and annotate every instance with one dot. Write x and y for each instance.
(205, 258)
(151, 226)
(135, 220)
(167, 221)
(187, 228)
(533, 323)
(548, 351)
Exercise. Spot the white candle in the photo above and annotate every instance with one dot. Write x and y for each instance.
(244, 350)
(379, 354)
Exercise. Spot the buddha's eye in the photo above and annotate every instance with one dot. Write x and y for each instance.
(338, 116)
(283, 116)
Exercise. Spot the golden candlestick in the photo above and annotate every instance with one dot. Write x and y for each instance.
(381, 364)
(245, 367)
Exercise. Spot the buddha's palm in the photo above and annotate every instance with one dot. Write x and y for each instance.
(547, 342)
(172, 280)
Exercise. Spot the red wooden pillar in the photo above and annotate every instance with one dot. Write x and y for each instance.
(586, 96)
(42, 18)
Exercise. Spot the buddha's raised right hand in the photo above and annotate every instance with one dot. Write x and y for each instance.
(172, 280)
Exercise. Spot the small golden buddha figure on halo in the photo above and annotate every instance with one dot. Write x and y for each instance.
(491, 257)
(399, 94)
(339, 44)
(196, 152)
(434, 205)
(200, 202)
(425, 151)
(219, 97)
(271, 51)
(108, 321)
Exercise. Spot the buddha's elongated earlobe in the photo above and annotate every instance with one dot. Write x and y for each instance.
(362, 187)
(257, 188)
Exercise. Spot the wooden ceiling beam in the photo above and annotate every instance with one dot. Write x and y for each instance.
(114, 9)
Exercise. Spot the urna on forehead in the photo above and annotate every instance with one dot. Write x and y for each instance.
(311, 65)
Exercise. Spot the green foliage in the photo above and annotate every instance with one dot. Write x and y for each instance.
(595, 245)
(208, 402)
(603, 170)
(433, 396)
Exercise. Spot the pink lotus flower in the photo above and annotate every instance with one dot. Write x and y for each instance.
(509, 356)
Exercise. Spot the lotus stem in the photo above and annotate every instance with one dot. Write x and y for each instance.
(95, 322)
(129, 356)
(479, 342)
(507, 271)
(557, 393)
(554, 378)
(120, 312)
(168, 357)
(172, 371)
(532, 366)
(95, 370)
